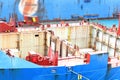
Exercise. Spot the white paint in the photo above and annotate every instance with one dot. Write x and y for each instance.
(92, 42)
(111, 52)
(104, 48)
(112, 41)
(118, 43)
(105, 38)
(98, 46)
(53, 46)
(94, 32)
(100, 35)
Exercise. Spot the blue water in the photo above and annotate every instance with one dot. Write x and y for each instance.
(108, 22)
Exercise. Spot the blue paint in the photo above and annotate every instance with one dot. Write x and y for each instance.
(7, 62)
(107, 22)
(24, 70)
(64, 8)
(114, 74)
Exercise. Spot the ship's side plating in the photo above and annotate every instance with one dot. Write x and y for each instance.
(95, 70)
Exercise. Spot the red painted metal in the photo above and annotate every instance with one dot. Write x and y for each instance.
(118, 31)
(67, 24)
(55, 59)
(30, 20)
(87, 58)
(44, 61)
(48, 25)
(6, 27)
(50, 52)
(8, 52)
(109, 59)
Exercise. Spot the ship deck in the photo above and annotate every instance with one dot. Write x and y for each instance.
(71, 61)
(75, 60)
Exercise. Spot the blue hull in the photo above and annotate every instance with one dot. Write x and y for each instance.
(63, 9)
(19, 69)
(62, 74)
(113, 74)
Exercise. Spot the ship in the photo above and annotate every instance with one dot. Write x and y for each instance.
(62, 60)
(74, 68)
(75, 49)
